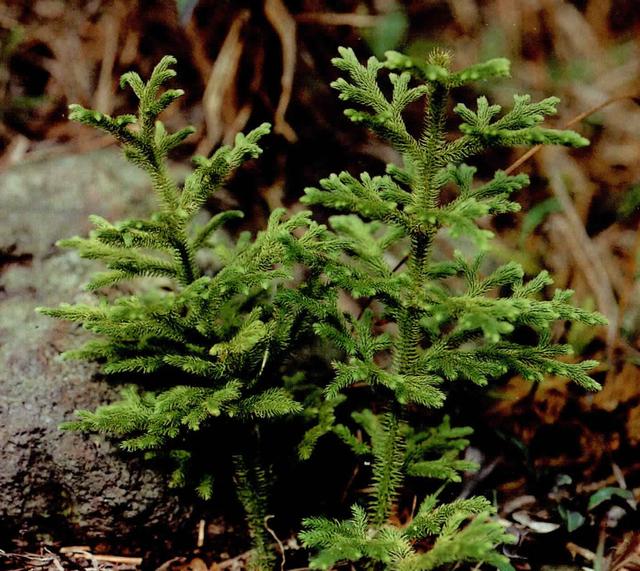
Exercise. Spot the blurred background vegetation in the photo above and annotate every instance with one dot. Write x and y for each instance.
(546, 451)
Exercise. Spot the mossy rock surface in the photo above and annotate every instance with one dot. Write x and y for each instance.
(63, 486)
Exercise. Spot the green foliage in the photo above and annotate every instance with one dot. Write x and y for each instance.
(207, 346)
(438, 319)
(212, 334)
(455, 538)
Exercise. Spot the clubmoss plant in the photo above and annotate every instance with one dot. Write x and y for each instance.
(206, 347)
(213, 333)
(435, 320)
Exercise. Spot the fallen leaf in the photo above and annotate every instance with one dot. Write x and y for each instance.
(524, 518)
(196, 564)
(619, 388)
(633, 426)
(572, 519)
(605, 494)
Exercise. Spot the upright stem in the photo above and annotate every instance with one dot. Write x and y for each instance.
(408, 322)
(168, 193)
(250, 480)
(410, 336)
(432, 144)
(387, 469)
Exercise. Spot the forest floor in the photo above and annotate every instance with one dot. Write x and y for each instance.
(563, 466)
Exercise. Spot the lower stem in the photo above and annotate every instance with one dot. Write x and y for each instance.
(387, 469)
(250, 488)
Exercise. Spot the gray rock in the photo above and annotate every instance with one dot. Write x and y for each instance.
(54, 484)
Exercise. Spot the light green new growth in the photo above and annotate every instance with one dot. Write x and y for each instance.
(439, 319)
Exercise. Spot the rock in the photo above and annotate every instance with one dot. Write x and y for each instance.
(55, 485)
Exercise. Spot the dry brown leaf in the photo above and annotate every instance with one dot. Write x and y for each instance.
(222, 78)
(574, 37)
(285, 26)
(338, 19)
(633, 426)
(550, 399)
(517, 503)
(169, 564)
(619, 388)
(196, 564)
(515, 390)
(626, 555)
(598, 14)
(466, 13)
(576, 550)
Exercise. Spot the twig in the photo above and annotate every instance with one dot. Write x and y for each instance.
(55, 560)
(285, 26)
(533, 150)
(119, 559)
(598, 564)
(280, 545)
(338, 19)
(200, 540)
(231, 562)
(123, 560)
(74, 548)
(414, 505)
(574, 550)
(472, 483)
(354, 474)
